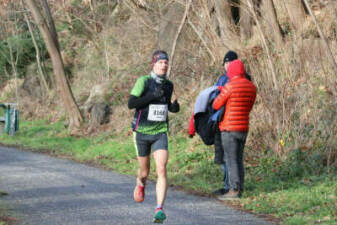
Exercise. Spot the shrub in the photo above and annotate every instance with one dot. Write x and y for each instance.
(23, 53)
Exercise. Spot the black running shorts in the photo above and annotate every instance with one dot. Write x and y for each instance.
(145, 142)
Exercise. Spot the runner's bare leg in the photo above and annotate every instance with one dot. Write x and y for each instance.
(161, 158)
(144, 169)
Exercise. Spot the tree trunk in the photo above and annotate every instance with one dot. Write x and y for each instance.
(14, 69)
(202, 40)
(168, 26)
(296, 13)
(225, 20)
(246, 22)
(51, 25)
(263, 39)
(332, 57)
(273, 25)
(75, 117)
(187, 8)
(38, 57)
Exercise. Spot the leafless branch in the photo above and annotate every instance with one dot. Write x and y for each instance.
(321, 35)
(252, 11)
(202, 40)
(187, 8)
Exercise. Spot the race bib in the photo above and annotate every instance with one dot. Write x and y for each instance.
(157, 113)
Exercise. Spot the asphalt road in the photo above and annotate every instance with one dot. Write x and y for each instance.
(43, 190)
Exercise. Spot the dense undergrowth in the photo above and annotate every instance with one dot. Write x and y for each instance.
(111, 44)
(297, 190)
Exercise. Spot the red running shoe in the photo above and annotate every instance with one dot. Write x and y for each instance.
(139, 193)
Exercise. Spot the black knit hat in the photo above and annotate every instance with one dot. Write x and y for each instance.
(230, 56)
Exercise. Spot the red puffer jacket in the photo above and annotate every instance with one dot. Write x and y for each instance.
(239, 96)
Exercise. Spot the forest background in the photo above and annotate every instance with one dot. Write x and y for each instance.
(74, 87)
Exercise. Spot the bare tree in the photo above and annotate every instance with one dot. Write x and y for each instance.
(246, 22)
(187, 8)
(296, 13)
(271, 21)
(208, 31)
(169, 24)
(50, 22)
(50, 37)
(10, 26)
(332, 57)
(264, 42)
(225, 20)
(38, 55)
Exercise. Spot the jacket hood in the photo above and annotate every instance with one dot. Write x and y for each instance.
(235, 68)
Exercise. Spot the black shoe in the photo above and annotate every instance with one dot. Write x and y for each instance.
(220, 191)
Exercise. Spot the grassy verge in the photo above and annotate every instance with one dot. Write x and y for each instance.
(4, 218)
(295, 199)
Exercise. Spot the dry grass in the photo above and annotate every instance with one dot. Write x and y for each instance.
(300, 114)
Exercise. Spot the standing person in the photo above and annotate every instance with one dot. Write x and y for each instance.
(238, 96)
(151, 97)
(218, 149)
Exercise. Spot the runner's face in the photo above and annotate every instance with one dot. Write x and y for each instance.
(160, 67)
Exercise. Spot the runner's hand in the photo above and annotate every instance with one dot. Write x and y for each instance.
(175, 106)
(175, 103)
